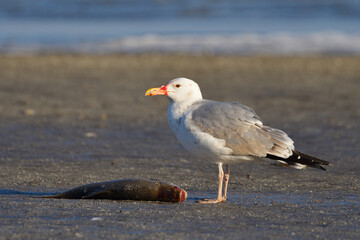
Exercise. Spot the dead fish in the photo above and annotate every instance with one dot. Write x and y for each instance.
(126, 189)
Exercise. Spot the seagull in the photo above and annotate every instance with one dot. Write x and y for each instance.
(225, 132)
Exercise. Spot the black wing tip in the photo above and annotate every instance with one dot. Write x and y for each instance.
(301, 158)
(318, 167)
(314, 160)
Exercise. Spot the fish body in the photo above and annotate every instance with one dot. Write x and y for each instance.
(127, 189)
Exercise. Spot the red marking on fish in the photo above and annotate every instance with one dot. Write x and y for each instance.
(183, 195)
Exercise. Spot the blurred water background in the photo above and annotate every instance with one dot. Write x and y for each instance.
(197, 26)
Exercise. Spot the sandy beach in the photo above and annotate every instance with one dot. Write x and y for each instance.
(68, 120)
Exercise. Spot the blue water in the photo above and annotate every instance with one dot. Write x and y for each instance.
(270, 26)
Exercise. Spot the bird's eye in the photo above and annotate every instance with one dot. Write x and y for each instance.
(177, 85)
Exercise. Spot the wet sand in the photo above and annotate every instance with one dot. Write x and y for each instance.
(68, 120)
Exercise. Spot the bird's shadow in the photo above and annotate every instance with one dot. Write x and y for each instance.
(25, 193)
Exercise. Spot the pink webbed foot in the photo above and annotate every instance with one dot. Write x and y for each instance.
(216, 200)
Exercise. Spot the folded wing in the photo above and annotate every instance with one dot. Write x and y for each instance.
(242, 129)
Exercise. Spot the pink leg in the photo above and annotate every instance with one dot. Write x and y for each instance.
(227, 176)
(220, 198)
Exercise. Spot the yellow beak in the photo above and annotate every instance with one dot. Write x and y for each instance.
(156, 91)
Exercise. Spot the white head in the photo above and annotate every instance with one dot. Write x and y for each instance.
(178, 90)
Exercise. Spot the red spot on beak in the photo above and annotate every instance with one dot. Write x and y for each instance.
(164, 89)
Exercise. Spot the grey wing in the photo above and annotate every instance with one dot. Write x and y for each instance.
(242, 129)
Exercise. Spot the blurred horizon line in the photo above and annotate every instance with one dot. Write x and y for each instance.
(224, 26)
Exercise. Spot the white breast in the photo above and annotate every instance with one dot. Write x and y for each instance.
(199, 143)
